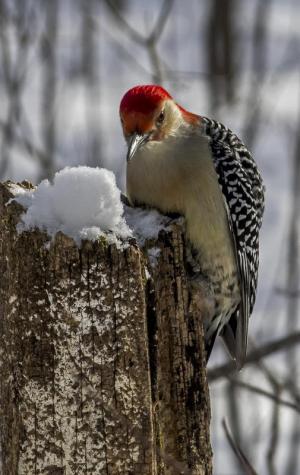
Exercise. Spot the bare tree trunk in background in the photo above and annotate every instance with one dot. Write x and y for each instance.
(89, 63)
(293, 281)
(234, 417)
(102, 370)
(48, 53)
(221, 52)
(259, 70)
(13, 71)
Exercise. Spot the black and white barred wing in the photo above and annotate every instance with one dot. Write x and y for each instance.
(243, 193)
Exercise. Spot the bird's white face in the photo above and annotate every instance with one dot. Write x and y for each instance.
(143, 127)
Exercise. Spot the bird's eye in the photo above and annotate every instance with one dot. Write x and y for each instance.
(160, 118)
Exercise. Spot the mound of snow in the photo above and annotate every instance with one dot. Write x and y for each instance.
(145, 223)
(82, 202)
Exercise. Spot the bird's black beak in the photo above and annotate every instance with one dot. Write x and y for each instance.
(136, 141)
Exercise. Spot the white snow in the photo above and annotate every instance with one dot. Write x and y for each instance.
(82, 202)
(145, 223)
(153, 254)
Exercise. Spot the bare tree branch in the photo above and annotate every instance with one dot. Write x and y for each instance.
(14, 72)
(253, 356)
(132, 32)
(262, 392)
(24, 144)
(90, 74)
(290, 386)
(233, 413)
(161, 21)
(48, 53)
(273, 445)
(288, 293)
(221, 47)
(150, 41)
(259, 66)
(249, 470)
(278, 387)
(123, 51)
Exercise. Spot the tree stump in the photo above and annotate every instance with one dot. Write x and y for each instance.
(102, 366)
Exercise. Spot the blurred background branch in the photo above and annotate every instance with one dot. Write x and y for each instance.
(18, 16)
(48, 48)
(150, 41)
(282, 344)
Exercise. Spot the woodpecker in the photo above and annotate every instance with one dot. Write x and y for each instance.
(180, 162)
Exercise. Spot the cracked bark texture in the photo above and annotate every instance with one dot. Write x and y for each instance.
(101, 370)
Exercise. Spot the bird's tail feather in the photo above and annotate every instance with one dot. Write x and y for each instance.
(234, 340)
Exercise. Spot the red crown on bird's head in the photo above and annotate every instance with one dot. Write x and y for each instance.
(143, 99)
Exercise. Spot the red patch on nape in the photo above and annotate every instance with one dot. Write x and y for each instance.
(143, 99)
(189, 117)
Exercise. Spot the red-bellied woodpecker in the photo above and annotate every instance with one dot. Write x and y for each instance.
(188, 164)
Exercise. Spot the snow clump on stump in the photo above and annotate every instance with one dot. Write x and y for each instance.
(81, 202)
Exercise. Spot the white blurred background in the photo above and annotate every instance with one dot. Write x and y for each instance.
(64, 66)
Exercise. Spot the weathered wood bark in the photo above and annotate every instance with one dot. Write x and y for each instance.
(102, 371)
